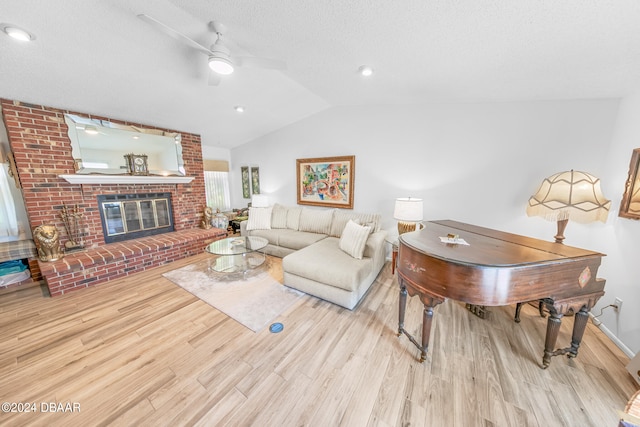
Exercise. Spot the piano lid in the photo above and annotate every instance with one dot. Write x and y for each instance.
(487, 247)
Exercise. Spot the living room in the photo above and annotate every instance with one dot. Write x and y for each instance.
(469, 158)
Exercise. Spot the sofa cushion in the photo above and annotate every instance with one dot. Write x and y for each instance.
(324, 262)
(354, 238)
(293, 239)
(293, 218)
(272, 235)
(259, 219)
(279, 216)
(316, 220)
(340, 220)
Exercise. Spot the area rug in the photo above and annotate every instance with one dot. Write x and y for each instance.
(253, 299)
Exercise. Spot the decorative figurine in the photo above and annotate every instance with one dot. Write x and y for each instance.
(208, 214)
(47, 240)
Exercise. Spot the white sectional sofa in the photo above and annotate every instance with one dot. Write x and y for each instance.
(329, 253)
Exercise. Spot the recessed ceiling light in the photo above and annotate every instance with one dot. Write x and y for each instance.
(239, 108)
(17, 33)
(365, 70)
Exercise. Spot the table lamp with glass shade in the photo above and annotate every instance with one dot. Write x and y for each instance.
(408, 212)
(568, 195)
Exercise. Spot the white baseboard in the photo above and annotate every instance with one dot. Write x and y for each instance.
(626, 350)
(634, 365)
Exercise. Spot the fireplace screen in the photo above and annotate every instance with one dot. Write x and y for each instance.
(129, 216)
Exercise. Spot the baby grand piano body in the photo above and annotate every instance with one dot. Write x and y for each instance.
(496, 269)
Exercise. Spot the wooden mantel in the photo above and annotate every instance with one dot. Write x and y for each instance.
(125, 179)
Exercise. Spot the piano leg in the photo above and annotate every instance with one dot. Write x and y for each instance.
(579, 324)
(427, 318)
(578, 305)
(401, 309)
(553, 327)
(518, 308)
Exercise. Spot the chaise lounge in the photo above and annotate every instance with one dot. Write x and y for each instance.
(327, 253)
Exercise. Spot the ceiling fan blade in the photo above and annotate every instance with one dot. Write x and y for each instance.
(174, 33)
(268, 63)
(214, 78)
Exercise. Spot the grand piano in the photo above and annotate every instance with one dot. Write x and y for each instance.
(495, 269)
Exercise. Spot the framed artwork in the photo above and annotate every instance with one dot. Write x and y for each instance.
(630, 205)
(246, 185)
(255, 180)
(326, 181)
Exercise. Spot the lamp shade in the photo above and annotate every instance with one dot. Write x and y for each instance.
(408, 209)
(570, 195)
(259, 201)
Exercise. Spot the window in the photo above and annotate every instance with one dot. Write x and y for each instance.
(8, 218)
(217, 188)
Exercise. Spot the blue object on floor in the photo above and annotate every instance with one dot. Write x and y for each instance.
(276, 327)
(9, 267)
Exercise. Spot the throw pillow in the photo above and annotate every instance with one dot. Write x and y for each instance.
(259, 219)
(353, 239)
(293, 218)
(279, 216)
(340, 219)
(316, 220)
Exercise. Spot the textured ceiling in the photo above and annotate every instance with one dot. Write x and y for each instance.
(96, 56)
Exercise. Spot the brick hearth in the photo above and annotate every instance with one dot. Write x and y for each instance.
(42, 150)
(115, 260)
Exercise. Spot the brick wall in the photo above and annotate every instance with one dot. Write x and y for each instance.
(42, 150)
(38, 137)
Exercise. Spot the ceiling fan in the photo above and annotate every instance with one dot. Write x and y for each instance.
(221, 62)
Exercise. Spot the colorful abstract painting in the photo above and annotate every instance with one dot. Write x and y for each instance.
(326, 181)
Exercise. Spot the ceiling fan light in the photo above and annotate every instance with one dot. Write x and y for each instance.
(220, 65)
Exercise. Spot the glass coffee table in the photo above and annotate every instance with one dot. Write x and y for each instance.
(237, 254)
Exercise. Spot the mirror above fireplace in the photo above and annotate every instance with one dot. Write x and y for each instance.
(99, 147)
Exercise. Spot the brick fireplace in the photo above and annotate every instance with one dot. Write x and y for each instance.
(38, 138)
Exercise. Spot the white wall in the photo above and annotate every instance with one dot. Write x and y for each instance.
(215, 153)
(621, 237)
(475, 163)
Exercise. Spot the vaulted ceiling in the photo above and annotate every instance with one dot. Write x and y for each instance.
(96, 56)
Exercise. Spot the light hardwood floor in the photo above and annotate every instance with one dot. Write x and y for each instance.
(143, 351)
